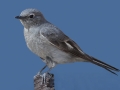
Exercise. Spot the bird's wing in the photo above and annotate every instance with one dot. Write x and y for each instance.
(63, 42)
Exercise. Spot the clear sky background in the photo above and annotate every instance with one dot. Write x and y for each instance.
(93, 24)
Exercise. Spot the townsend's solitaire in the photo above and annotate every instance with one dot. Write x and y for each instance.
(51, 44)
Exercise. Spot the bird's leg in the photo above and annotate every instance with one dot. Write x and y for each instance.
(40, 72)
(45, 75)
(49, 70)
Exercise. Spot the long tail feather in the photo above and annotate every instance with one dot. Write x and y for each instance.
(103, 65)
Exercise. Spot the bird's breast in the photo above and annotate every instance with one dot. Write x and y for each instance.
(35, 43)
(39, 45)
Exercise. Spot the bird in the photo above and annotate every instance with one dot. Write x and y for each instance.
(50, 43)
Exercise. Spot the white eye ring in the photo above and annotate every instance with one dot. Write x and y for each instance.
(31, 16)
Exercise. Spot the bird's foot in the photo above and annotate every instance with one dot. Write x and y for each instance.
(45, 77)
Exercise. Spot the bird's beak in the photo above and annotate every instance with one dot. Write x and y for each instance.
(19, 17)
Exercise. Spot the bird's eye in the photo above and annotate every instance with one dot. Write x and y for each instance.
(31, 16)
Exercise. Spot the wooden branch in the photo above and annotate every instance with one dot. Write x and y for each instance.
(39, 85)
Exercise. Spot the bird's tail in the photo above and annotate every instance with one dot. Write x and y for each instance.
(103, 65)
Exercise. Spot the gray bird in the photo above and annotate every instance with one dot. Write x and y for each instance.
(51, 44)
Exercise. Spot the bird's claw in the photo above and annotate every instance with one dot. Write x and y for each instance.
(45, 77)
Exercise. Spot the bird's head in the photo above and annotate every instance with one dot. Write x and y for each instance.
(31, 17)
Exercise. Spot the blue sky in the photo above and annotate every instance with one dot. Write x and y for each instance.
(93, 24)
